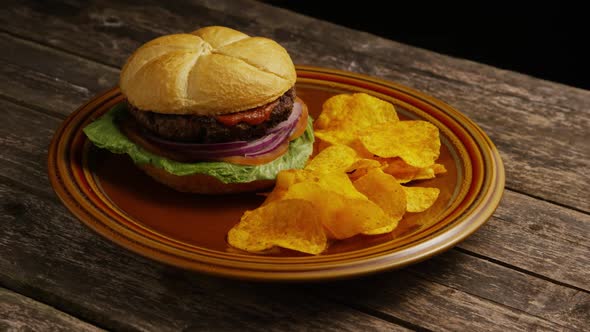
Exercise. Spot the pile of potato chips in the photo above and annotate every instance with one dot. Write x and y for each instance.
(353, 185)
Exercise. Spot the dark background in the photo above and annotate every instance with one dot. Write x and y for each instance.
(543, 40)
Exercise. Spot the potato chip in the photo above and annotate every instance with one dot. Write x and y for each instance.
(352, 185)
(399, 169)
(326, 139)
(359, 110)
(383, 230)
(284, 180)
(345, 116)
(439, 168)
(335, 136)
(405, 173)
(344, 212)
(334, 158)
(420, 199)
(429, 172)
(291, 223)
(364, 163)
(334, 181)
(425, 173)
(355, 216)
(416, 142)
(387, 193)
(360, 167)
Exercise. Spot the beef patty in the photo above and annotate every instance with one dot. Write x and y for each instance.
(207, 129)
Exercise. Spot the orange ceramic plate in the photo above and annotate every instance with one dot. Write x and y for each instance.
(107, 193)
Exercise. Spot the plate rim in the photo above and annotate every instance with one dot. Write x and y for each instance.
(476, 215)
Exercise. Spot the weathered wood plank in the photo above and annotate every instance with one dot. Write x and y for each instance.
(573, 273)
(53, 58)
(520, 113)
(70, 241)
(433, 305)
(59, 83)
(24, 140)
(479, 281)
(20, 313)
(40, 91)
(536, 235)
(135, 292)
(287, 26)
(527, 233)
(565, 306)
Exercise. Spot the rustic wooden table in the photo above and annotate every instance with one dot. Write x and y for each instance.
(528, 268)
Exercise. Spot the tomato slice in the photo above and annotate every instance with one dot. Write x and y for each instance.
(281, 149)
(131, 130)
(259, 160)
(253, 117)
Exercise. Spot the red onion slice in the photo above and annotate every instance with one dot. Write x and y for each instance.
(174, 145)
(275, 136)
(291, 120)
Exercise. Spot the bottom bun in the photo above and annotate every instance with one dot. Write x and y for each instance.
(202, 183)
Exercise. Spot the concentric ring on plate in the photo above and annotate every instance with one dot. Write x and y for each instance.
(188, 231)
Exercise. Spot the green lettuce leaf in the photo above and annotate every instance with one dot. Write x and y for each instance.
(105, 134)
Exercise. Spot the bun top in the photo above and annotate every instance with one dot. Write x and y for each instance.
(213, 70)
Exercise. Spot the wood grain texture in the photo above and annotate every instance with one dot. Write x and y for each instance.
(567, 307)
(520, 113)
(20, 313)
(134, 292)
(102, 283)
(59, 83)
(524, 232)
(513, 251)
(482, 284)
(537, 236)
(24, 140)
(27, 226)
(526, 269)
(434, 306)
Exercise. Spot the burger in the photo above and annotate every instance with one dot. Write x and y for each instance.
(211, 112)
